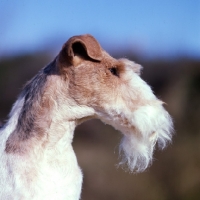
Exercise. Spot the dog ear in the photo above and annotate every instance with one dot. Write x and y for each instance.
(79, 48)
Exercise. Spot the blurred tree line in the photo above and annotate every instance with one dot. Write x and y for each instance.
(175, 173)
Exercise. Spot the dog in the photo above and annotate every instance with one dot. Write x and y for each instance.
(37, 161)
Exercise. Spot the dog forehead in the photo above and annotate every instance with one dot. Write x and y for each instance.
(121, 63)
(110, 61)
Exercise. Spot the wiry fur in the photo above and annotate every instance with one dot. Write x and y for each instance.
(83, 82)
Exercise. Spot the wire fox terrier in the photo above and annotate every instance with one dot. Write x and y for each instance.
(37, 161)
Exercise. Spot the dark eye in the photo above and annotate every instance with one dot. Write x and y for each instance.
(114, 71)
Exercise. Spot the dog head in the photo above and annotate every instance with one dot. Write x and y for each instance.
(112, 90)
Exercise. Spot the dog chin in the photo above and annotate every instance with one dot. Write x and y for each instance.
(137, 145)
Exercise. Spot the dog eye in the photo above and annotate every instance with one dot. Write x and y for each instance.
(114, 71)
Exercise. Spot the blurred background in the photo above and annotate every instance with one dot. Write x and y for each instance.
(163, 36)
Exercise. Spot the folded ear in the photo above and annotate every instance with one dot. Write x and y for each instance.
(79, 48)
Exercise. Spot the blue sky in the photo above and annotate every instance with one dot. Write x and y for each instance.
(151, 27)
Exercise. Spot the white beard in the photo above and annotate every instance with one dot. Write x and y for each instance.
(136, 148)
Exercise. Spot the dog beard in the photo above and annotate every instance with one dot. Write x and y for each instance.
(152, 124)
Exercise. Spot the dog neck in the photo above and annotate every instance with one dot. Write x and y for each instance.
(40, 119)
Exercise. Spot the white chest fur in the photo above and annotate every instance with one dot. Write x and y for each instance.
(48, 176)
